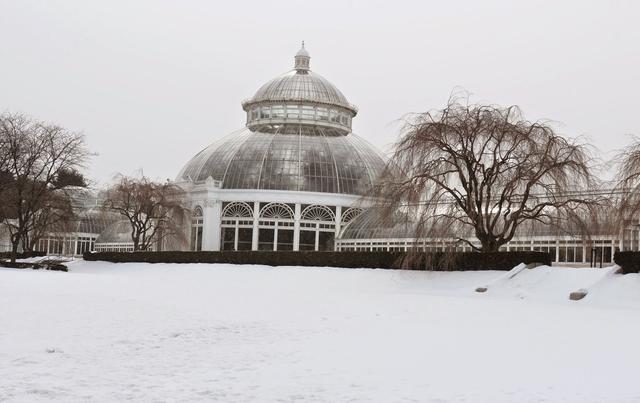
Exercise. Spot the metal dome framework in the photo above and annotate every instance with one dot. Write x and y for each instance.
(283, 181)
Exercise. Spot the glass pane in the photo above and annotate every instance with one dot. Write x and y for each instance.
(571, 254)
(285, 239)
(293, 111)
(228, 238)
(265, 239)
(308, 112)
(323, 114)
(245, 238)
(307, 240)
(277, 111)
(265, 112)
(326, 241)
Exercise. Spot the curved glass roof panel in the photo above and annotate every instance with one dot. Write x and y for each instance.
(294, 86)
(119, 231)
(372, 224)
(288, 161)
(90, 221)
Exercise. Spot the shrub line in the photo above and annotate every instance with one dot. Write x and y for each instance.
(459, 261)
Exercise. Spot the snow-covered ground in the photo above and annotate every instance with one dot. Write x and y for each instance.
(142, 332)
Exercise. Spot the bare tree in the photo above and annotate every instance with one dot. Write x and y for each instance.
(470, 172)
(40, 160)
(153, 209)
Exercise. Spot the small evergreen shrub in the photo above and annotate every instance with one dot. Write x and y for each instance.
(629, 261)
(375, 260)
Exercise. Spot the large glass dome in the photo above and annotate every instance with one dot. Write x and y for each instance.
(288, 161)
(298, 138)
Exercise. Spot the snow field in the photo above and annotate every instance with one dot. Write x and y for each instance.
(188, 332)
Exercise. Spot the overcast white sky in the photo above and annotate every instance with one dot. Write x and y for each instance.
(152, 82)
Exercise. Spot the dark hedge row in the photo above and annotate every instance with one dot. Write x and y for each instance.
(629, 261)
(21, 255)
(383, 260)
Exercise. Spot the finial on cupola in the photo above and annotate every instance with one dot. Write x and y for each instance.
(302, 60)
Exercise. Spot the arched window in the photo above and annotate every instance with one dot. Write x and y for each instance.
(317, 228)
(350, 214)
(237, 210)
(197, 226)
(276, 211)
(237, 226)
(276, 227)
(318, 213)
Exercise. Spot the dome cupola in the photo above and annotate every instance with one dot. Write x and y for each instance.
(299, 98)
(302, 60)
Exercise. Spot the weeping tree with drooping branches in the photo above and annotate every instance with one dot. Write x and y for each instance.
(152, 209)
(474, 174)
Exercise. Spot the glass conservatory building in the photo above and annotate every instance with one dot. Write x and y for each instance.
(76, 237)
(291, 179)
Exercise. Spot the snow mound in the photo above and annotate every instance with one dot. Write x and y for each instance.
(550, 284)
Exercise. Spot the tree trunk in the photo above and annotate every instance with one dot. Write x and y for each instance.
(15, 241)
(27, 244)
(489, 244)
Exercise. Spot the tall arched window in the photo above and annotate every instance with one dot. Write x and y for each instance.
(317, 228)
(275, 227)
(197, 225)
(237, 226)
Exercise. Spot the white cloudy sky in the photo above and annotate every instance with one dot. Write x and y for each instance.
(151, 82)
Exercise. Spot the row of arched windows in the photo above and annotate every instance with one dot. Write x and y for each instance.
(313, 212)
(275, 227)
